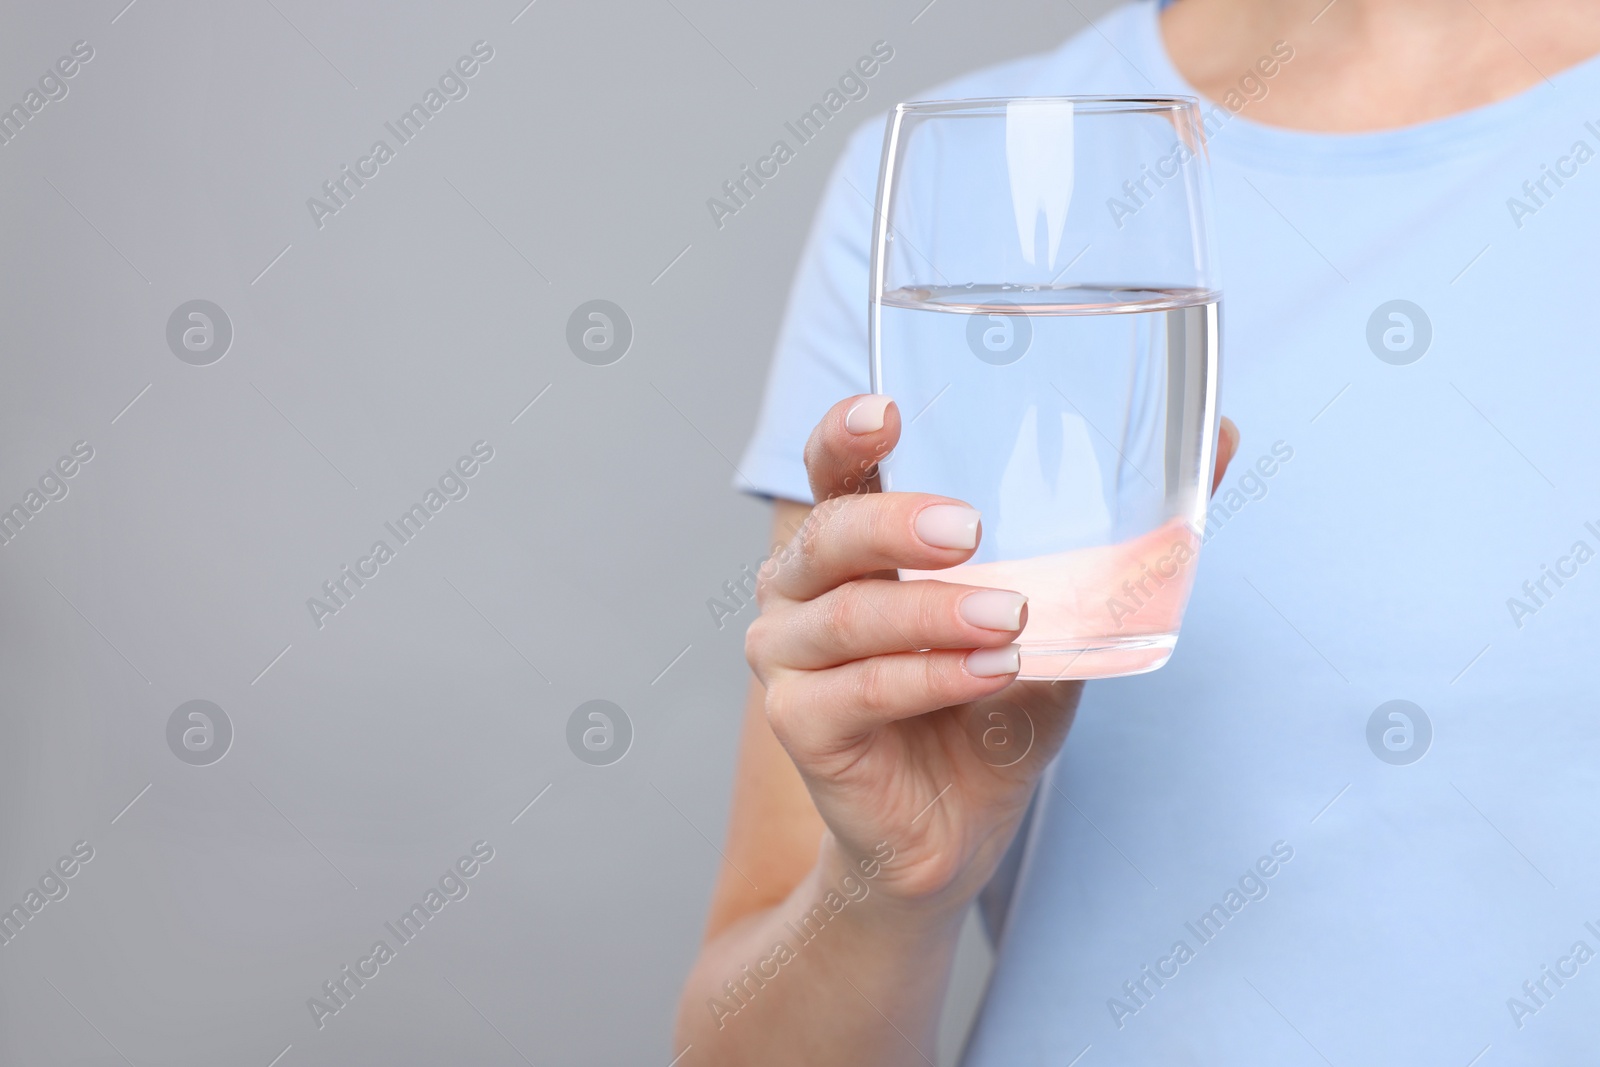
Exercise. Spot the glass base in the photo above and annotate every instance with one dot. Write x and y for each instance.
(1100, 657)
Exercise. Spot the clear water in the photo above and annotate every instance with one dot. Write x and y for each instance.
(1081, 421)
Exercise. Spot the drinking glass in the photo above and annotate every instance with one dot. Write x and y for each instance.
(1044, 310)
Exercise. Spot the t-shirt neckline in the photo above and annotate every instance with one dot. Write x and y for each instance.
(1414, 147)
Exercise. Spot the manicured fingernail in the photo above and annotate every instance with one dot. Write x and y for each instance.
(866, 415)
(993, 609)
(993, 662)
(948, 526)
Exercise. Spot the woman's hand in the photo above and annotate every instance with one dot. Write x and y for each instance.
(898, 704)
(898, 701)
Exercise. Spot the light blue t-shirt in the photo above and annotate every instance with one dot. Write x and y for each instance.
(1251, 855)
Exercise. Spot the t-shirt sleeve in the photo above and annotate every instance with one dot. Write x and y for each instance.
(821, 355)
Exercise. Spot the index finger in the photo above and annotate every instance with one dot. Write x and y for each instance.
(844, 450)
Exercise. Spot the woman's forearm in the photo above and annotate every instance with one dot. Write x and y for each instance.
(835, 974)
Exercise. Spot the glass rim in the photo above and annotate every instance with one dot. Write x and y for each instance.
(1154, 103)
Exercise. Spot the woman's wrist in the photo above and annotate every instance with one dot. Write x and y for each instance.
(860, 889)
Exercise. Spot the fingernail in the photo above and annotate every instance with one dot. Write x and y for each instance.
(948, 526)
(993, 662)
(993, 609)
(866, 415)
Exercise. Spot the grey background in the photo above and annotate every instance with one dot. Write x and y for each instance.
(367, 357)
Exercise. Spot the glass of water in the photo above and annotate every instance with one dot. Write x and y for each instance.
(1044, 311)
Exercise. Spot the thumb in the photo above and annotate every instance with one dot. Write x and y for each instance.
(843, 452)
(1227, 448)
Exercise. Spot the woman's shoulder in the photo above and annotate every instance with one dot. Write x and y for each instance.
(1105, 56)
